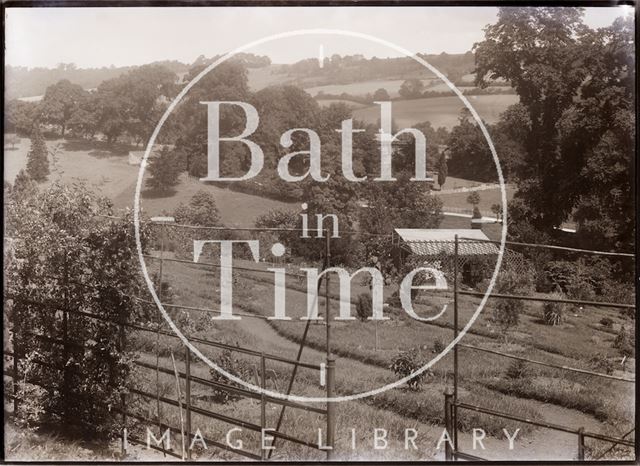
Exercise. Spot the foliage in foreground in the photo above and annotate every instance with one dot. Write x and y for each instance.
(63, 256)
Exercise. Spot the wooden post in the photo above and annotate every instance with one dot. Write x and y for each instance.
(455, 348)
(263, 404)
(183, 452)
(581, 444)
(158, 409)
(123, 396)
(331, 417)
(448, 422)
(327, 303)
(187, 397)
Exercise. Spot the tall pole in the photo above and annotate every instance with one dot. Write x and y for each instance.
(187, 396)
(331, 416)
(448, 395)
(162, 221)
(158, 413)
(263, 403)
(123, 396)
(331, 362)
(455, 348)
(298, 357)
(327, 303)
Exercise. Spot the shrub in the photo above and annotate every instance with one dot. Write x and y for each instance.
(473, 198)
(506, 315)
(438, 346)
(606, 322)
(579, 287)
(518, 369)
(624, 342)
(234, 366)
(506, 312)
(364, 306)
(405, 364)
(475, 270)
(601, 363)
(553, 313)
(629, 313)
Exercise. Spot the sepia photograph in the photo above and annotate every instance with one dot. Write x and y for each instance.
(311, 232)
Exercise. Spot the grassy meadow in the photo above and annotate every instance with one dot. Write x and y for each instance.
(106, 170)
(362, 88)
(440, 111)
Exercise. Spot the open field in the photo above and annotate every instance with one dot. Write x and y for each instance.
(109, 173)
(266, 76)
(392, 86)
(440, 111)
(488, 198)
(349, 103)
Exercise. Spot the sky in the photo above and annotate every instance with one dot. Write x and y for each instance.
(95, 37)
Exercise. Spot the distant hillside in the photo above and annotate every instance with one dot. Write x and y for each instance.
(26, 82)
(355, 68)
(338, 70)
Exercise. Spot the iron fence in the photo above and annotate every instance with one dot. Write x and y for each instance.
(452, 404)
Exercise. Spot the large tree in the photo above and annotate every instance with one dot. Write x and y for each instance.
(411, 89)
(37, 157)
(164, 170)
(227, 82)
(20, 116)
(60, 102)
(133, 103)
(576, 85)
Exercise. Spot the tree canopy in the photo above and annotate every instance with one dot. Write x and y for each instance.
(576, 85)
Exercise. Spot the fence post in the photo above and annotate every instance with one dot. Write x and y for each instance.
(123, 395)
(581, 444)
(448, 422)
(187, 396)
(263, 404)
(327, 298)
(455, 348)
(331, 417)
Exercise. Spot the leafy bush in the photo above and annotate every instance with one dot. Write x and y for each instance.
(606, 322)
(69, 258)
(518, 369)
(601, 363)
(405, 364)
(234, 366)
(624, 342)
(506, 312)
(364, 306)
(438, 346)
(553, 313)
(473, 198)
(476, 269)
